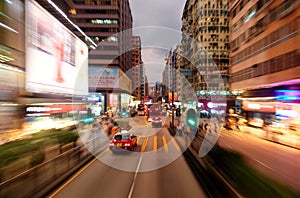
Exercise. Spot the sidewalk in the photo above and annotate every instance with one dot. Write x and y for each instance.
(291, 140)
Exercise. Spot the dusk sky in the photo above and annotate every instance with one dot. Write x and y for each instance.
(158, 22)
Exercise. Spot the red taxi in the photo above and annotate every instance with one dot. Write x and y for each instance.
(123, 141)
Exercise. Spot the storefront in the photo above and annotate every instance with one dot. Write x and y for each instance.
(114, 85)
(52, 115)
(212, 108)
(119, 102)
(259, 113)
(288, 109)
(96, 103)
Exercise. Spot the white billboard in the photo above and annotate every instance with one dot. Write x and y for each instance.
(102, 77)
(56, 60)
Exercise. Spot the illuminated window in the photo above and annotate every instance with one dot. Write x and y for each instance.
(112, 39)
(249, 16)
(104, 21)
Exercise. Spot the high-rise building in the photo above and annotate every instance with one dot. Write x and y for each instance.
(170, 71)
(146, 88)
(265, 58)
(94, 22)
(205, 47)
(107, 25)
(138, 82)
(32, 36)
(180, 75)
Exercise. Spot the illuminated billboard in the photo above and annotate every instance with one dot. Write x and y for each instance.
(287, 95)
(102, 77)
(56, 60)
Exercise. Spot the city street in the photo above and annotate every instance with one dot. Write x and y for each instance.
(159, 170)
(158, 99)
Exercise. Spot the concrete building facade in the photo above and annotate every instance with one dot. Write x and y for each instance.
(138, 81)
(264, 41)
(265, 60)
(205, 47)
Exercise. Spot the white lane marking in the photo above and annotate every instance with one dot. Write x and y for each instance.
(262, 164)
(134, 178)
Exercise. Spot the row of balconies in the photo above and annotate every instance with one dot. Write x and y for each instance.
(216, 48)
(95, 7)
(91, 25)
(214, 39)
(214, 23)
(213, 6)
(93, 16)
(215, 56)
(214, 31)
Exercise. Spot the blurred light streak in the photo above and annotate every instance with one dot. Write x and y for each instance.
(11, 68)
(9, 104)
(74, 25)
(9, 28)
(256, 98)
(8, 1)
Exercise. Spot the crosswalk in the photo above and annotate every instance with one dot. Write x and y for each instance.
(156, 142)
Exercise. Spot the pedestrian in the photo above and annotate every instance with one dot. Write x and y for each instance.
(180, 127)
(205, 124)
(200, 128)
(216, 127)
(266, 129)
(227, 125)
(237, 126)
(208, 129)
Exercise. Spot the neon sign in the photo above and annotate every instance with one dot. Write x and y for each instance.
(287, 95)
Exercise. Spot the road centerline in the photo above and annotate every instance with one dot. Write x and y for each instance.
(135, 176)
(165, 144)
(155, 143)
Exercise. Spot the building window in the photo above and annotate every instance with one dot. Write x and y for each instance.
(104, 21)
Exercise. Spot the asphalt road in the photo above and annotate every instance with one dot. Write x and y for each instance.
(275, 160)
(156, 168)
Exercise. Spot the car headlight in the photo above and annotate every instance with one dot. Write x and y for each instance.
(127, 144)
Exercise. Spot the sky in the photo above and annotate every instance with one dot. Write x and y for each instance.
(158, 22)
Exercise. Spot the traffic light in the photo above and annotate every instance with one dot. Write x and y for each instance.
(191, 118)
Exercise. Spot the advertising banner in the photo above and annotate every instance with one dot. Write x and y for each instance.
(170, 97)
(102, 77)
(56, 60)
(259, 106)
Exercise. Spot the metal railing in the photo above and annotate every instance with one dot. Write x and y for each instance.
(40, 180)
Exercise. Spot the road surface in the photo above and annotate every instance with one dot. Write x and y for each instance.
(156, 168)
(278, 161)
